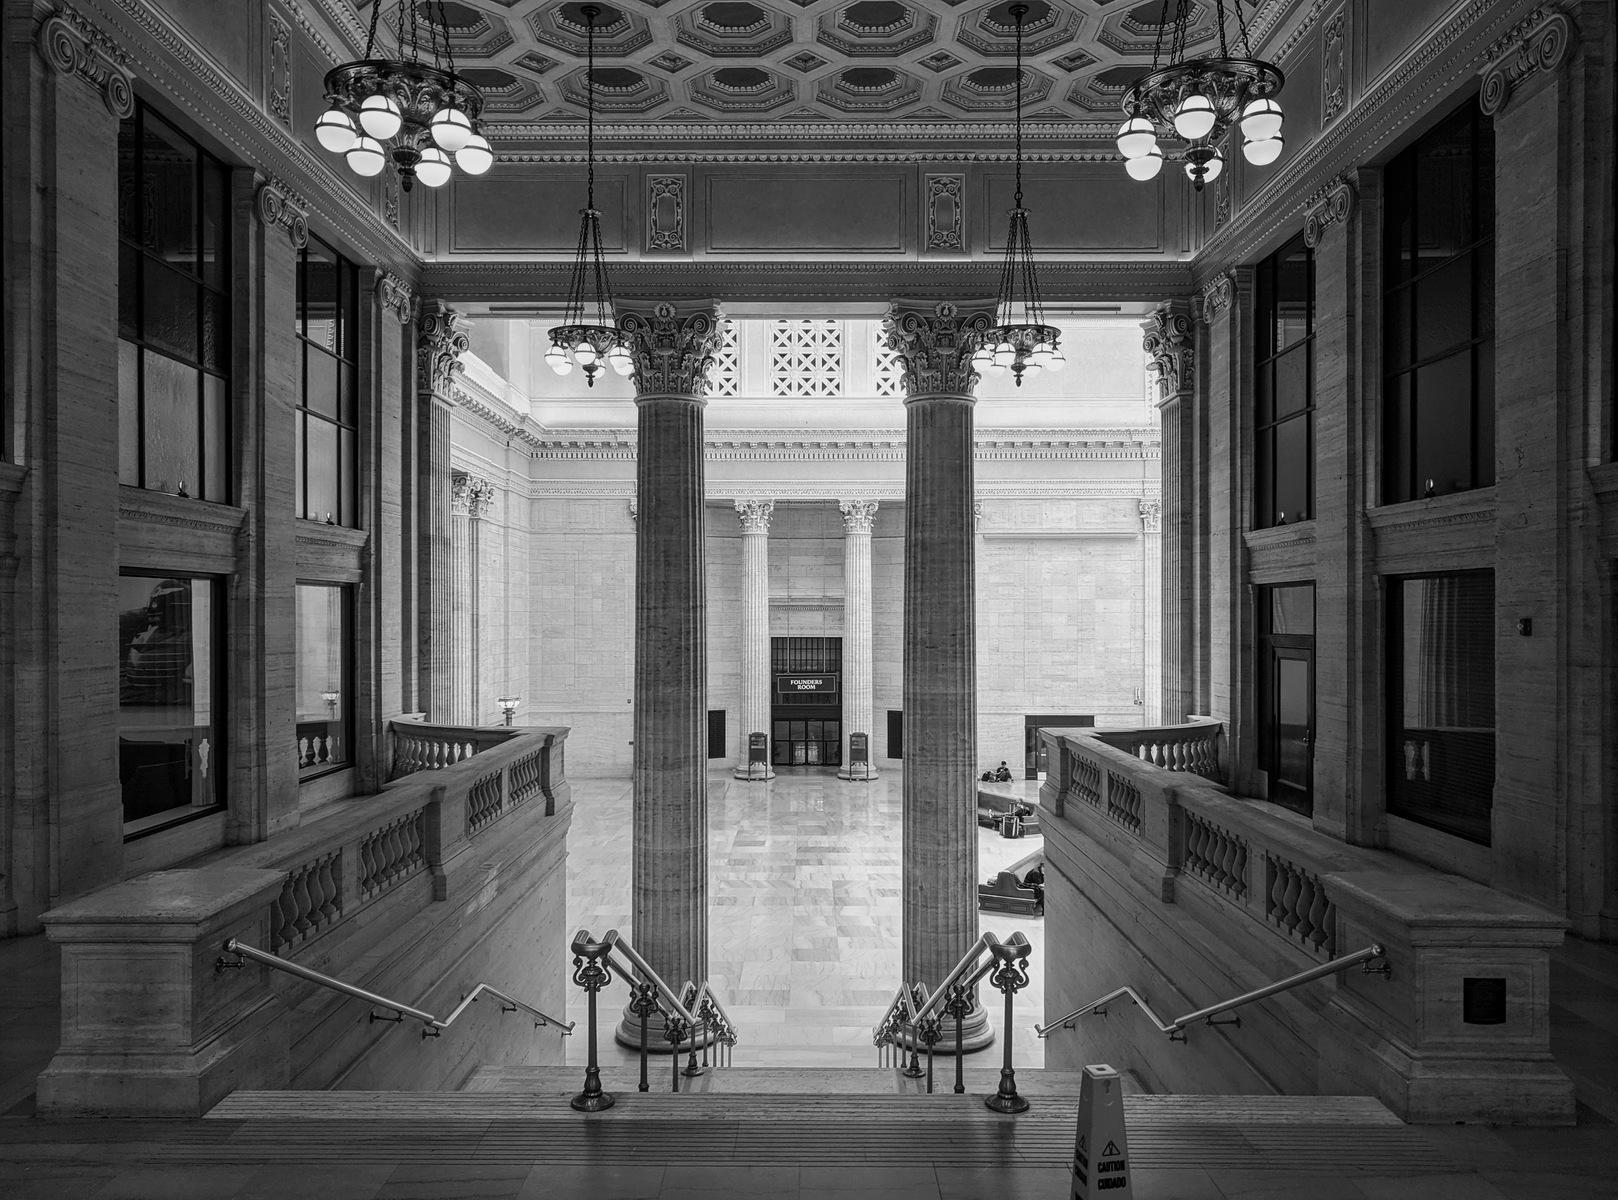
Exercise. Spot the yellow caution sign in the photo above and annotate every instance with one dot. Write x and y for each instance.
(1101, 1152)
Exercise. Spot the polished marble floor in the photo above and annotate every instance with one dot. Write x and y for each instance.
(804, 912)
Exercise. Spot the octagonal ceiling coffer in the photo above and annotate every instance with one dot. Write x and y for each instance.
(734, 17)
(880, 18)
(733, 29)
(740, 89)
(992, 31)
(876, 27)
(741, 79)
(617, 32)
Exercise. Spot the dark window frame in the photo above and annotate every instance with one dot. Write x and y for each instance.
(313, 356)
(1395, 795)
(346, 671)
(1405, 476)
(1269, 356)
(136, 263)
(218, 664)
(1269, 642)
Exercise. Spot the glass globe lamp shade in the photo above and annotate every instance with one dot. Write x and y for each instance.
(335, 130)
(379, 117)
(1212, 169)
(476, 156)
(618, 359)
(1058, 360)
(584, 354)
(1136, 137)
(1004, 355)
(1146, 166)
(365, 157)
(1194, 119)
(1261, 120)
(1264, 151)
(451, 129)
(434, 168)
(558, 360)
(1041, 355)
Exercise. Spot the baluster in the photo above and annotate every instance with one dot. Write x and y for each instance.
(321, 894)
(286, 912)
(1241, 868)
(1227, 860)
(368, 865)
(1290, 916)
(1317, 917)
(1277, 886)
(395, 851)
(300, 901)
(1194, 836)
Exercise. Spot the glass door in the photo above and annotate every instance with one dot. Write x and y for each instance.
(1286, 680)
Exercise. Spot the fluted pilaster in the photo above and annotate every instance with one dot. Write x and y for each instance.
(940, 669)
(858, 714)
(1151, 541)
(672, 349)
(1169, 344)
(755, 714)
(441, 339)
(460, 595)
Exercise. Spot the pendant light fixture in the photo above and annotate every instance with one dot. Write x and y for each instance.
(415, 112)
(1020, 338)
(588, 335)
(1199, 100)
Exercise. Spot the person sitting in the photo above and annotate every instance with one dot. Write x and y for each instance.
(1003, 775)
(1035, 879)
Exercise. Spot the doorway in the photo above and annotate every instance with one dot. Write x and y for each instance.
(806, 715)
(1034, 753)
(1286, 699)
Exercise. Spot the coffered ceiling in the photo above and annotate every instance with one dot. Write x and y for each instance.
(862, 61)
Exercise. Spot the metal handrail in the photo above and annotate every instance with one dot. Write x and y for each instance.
(969, 962)
(612, 942)
(707, 990)
(1175, 1026)
(241, 950)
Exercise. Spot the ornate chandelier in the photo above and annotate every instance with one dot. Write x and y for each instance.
(1020, 338)
(1199, 100)
(414, 112)
(579, 339)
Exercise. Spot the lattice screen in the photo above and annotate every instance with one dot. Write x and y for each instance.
(725, 378)
(806, 358)
(889, 373)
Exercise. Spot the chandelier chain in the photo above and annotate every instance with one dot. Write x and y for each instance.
(1157, 47)
(590, 109)
(449, 52)
(1219, 17)
(370, 38)
(1241, 25)
(1017, 15)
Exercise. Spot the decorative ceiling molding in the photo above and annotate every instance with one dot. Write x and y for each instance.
(164, 55)
(832, 492)
(1100, 154)
(1401, 95)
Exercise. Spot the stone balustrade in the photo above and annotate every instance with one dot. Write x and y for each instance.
(319, 894)
(1193, 746)
(418, 746)
(1258, 894)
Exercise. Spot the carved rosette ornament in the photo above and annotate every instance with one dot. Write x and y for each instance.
(1216, 296)
(1539, 42)
(73, 46)
(1169, 344)
(672, 351)
(396, 296)
(936, 344)
(858, 515)
(441, 339)
(1333, 208)
(755, 515)
(1151, 516)
(280, 205)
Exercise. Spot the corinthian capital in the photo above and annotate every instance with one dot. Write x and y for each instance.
(858, 515)
(440, 341)
(673, 348)
(1168, 343)
(755, 515)
(935, 342)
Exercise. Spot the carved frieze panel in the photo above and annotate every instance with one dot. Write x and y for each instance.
(278, 70)
(665, 212)
(1334, 66)
(945, 217)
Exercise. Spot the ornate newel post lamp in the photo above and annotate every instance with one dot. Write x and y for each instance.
(1198, 101)
(508, 706)
(412, 111)
(1020, 338)
(588, 334)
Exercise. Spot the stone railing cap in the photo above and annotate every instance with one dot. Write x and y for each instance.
(168, 897)
(1431, 898)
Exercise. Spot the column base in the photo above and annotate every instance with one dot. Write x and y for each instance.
(628, 1034)
(859, 776)
(756, 776)
(977, 1033)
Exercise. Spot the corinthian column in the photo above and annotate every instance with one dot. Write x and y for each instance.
(673, 349)
(1151, 541)
(755, 718)
(858, 716)
(940, 670)
(441, 340)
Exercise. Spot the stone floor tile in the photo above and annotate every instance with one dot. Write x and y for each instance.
(729, 1183)
(455, 1181)
(1548, 1185)
(170, 1183)
(1246, 1184)
(1004, 1183)
(1467, 1186)
(593, 1183)
(309, 1181)
(859, 1182)
(1177, 1183)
